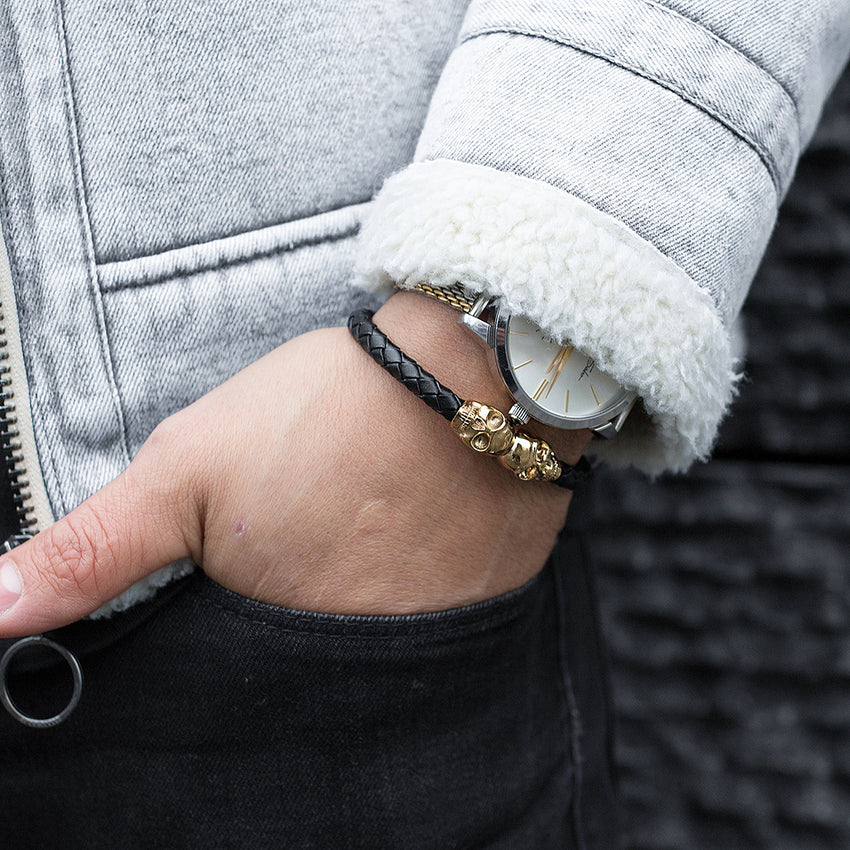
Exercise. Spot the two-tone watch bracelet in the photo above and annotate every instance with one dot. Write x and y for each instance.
(485, 429)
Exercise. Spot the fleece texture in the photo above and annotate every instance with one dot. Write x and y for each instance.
(582, 276)
(144, 589)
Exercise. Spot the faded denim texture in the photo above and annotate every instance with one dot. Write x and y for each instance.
(181, 189)
(249, 138)
(682, 120)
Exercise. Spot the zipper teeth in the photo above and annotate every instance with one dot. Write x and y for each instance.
(11, 456)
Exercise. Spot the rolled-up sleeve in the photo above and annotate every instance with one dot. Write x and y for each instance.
(612, 169)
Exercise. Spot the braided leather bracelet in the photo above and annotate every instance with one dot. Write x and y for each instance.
(483, 428)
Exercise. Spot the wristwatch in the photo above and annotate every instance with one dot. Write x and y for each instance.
(551, 383)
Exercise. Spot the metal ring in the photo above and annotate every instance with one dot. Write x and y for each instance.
(6, 698)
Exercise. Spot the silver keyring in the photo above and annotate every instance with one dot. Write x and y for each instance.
(6, 698)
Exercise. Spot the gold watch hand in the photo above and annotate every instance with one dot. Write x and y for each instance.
(555, 359)
(543, 384)
(563, 355)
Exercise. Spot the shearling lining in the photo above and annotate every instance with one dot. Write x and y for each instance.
(582, 276)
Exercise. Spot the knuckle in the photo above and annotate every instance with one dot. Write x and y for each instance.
(171, 446)
(174, 462)
(166, 438)
(79, 549)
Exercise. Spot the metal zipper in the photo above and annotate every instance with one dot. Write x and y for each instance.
(23, 488)
(22, 491)
(16, 487)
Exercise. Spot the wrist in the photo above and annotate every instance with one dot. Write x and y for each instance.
(429, 332)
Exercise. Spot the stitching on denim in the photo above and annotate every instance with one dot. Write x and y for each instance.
(671, 85)
(474, 627)
(721, 42)
(248, 257)
(575, 726)
(85, 223)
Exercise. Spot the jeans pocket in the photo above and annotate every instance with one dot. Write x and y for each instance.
(445, 729)
(236, 723)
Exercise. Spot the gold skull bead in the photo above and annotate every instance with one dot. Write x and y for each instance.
(531, 459)
(483, 428)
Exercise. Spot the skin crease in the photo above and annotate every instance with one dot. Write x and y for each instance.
(312, 479)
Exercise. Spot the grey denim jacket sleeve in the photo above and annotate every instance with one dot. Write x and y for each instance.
(613, 169)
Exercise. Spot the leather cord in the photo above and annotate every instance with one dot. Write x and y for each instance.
(424, 385)
(401, 367)
(572, 476)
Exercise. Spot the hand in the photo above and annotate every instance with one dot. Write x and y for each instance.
(311, 479)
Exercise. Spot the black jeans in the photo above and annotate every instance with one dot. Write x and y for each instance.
(209, 720)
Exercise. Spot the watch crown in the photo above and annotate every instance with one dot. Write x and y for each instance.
(519, 414)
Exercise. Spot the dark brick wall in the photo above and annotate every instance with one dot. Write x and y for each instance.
(726, 593)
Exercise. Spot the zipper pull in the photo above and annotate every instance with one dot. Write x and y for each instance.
(6, 697)
(37, 640)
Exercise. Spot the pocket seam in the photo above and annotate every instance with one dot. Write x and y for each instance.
(452, 622)
(329, 226)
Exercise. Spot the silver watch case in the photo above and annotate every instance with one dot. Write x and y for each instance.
(490, 323)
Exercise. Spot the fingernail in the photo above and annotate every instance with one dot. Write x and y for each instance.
(10, 585)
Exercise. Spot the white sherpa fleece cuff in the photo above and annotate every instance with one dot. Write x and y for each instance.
(582, 276)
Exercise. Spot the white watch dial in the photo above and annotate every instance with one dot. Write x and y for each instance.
(560, 379)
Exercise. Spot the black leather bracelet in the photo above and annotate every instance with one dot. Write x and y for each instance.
(483, 428)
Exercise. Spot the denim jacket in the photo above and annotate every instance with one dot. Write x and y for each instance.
(182, 186)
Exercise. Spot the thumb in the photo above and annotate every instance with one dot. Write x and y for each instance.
(143, 520)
